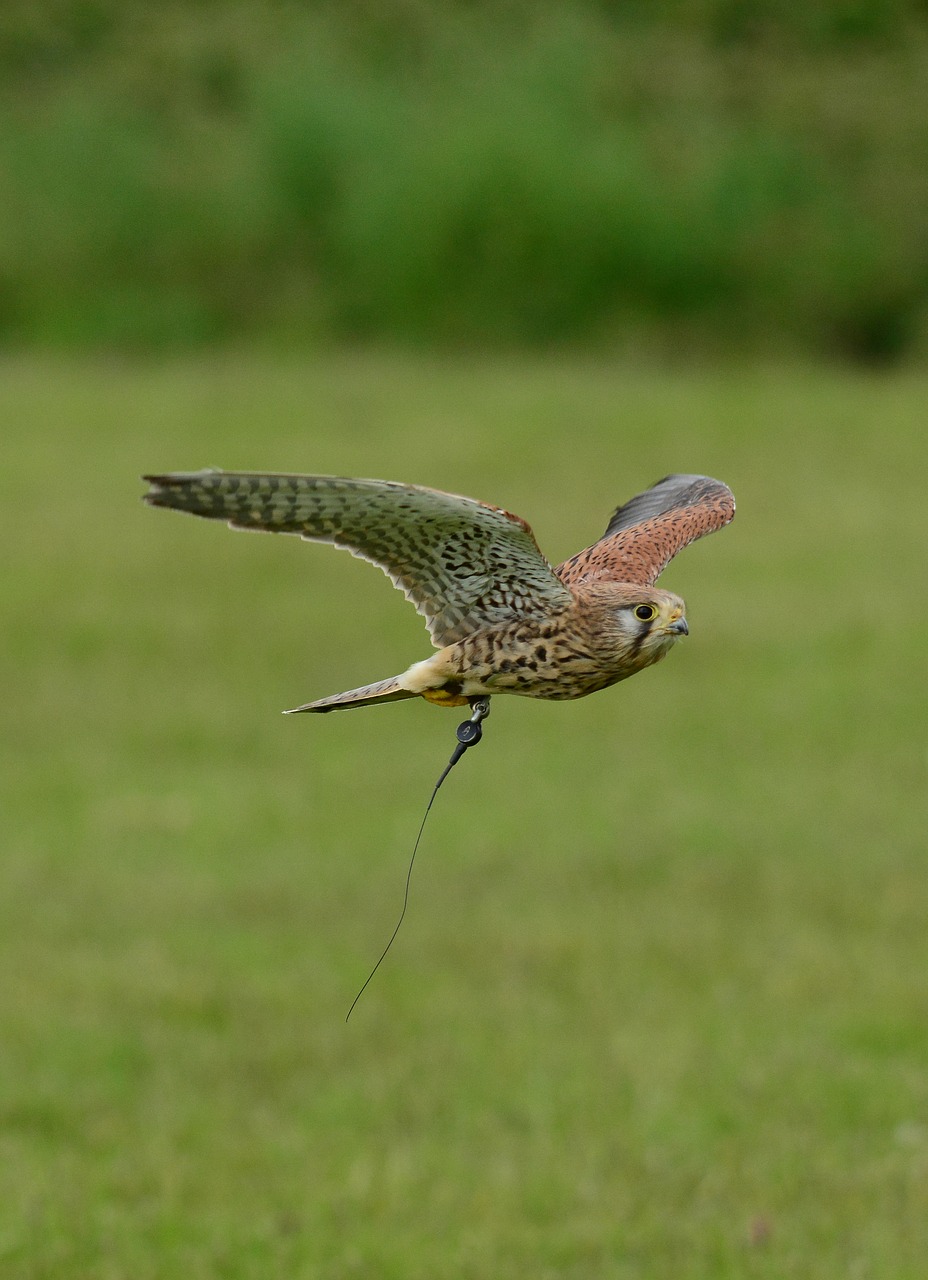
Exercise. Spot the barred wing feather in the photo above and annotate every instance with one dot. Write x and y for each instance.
(464, 564)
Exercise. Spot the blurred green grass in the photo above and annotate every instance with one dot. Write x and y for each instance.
(707, 175)
(659, 1006)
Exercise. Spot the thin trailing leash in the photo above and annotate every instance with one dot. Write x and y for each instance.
(469, 733)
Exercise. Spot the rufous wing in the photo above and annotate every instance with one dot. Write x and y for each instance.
(646, 533)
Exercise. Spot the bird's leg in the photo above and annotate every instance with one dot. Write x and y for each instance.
(446, 697)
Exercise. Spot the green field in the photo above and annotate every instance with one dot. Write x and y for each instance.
(659, 1010)
(679, 175)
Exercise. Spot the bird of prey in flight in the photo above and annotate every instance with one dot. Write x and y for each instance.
(501, 617)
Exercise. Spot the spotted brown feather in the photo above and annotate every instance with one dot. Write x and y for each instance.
(465, 565)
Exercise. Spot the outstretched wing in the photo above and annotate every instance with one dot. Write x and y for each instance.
(463, 564)
(646, 533)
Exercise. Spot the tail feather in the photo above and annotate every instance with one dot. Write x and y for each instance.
(368, 694)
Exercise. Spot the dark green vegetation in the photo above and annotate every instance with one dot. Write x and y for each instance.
(703, 174)
(659, 1008)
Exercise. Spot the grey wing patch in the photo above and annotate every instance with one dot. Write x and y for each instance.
(464, 565)
(673, 493)
(646, 532)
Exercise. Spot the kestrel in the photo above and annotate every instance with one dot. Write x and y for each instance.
(503, 620)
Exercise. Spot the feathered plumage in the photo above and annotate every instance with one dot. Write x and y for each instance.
(503, 619)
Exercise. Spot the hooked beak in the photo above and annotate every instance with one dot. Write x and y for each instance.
(679, 628)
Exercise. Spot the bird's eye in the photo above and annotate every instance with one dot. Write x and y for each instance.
(645, 612)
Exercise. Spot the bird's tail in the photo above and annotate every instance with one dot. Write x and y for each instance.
(366, 696)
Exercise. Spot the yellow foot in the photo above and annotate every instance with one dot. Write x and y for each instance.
(442, 698)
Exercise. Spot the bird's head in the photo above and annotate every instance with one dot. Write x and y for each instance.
(643, 622)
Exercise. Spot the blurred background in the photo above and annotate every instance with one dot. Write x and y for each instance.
(708, 175)
(659, 1008)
